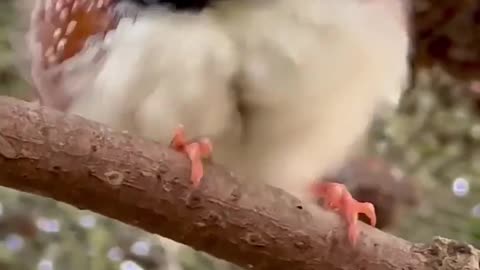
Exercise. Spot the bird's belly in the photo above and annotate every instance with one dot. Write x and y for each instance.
(311, 85)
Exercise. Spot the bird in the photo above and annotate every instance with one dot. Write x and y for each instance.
(278, 91)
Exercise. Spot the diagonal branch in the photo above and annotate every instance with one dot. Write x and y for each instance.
(141, 183)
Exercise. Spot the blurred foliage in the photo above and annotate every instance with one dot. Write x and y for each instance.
(38, 233)
(434, 136)
(447, 33)
(9, 81)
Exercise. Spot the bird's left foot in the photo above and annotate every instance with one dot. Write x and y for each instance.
(195, 150)
(336, 197)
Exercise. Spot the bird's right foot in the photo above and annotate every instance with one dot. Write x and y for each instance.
(337, 198)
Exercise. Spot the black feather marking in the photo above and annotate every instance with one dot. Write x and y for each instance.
(180, 5)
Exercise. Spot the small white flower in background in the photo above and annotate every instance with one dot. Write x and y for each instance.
(460, 187)
(130, 265)
(48, 225)
(115, 254)
(14, 242)
(141, 248)
(87, 221)
(45, 265)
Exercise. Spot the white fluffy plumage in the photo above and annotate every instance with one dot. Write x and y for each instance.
(312, 73)
(163, 70)
(308, 76)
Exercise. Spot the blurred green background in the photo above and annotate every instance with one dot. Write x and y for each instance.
(433, 137)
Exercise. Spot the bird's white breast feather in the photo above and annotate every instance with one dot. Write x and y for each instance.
(313, 72)
(163, 70)
(310, 74)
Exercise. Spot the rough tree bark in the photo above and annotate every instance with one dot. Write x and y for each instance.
(141, 183)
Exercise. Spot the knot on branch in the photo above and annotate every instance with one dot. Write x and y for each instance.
(447, 254)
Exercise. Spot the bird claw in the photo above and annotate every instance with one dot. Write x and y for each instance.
(196, 151)
(337, 198)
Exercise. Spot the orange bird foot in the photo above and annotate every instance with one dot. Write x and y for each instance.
(337, 198)
(196, 151)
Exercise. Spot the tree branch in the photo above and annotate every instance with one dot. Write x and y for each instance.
(141, 183)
